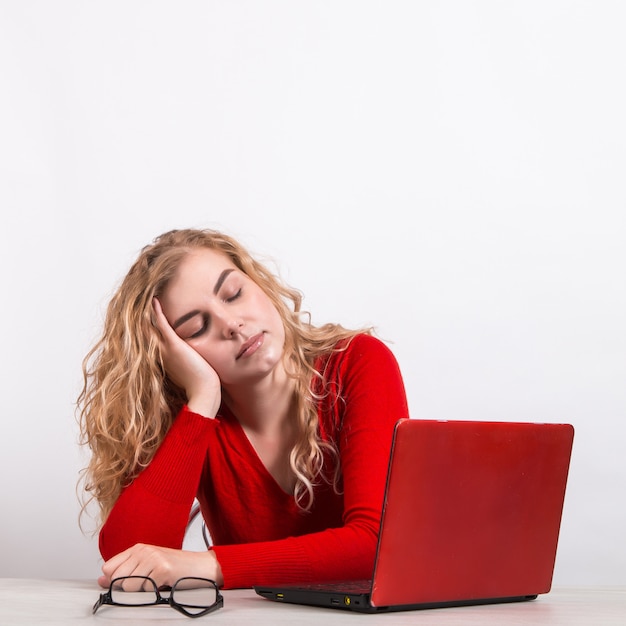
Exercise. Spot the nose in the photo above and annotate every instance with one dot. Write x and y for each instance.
(232, 326)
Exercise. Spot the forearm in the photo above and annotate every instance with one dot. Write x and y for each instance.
(345, 553)
(154, 508)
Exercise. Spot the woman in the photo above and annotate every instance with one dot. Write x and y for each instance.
(209, 383)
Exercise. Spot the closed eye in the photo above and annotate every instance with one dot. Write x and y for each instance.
(203, 328)
(234, 296)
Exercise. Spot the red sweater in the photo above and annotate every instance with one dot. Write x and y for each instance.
(259, 534)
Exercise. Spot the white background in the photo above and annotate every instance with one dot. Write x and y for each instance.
(452, 172)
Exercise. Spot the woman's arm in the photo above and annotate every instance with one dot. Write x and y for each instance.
(154, 508)
(375, 399)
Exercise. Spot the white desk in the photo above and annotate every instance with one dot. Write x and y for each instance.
(63, 603)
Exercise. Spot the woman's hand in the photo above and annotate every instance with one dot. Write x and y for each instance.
(164, 565)
(188, 369)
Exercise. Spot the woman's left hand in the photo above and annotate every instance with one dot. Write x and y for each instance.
(164, 565)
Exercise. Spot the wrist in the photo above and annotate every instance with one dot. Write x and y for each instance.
(207, 407)
(210, 567)
(217, 575)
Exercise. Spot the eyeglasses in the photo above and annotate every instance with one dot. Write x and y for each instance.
(191, 596)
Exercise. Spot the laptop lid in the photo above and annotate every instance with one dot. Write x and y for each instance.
(472, 511)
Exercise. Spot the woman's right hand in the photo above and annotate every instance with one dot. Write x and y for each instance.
(187, 369)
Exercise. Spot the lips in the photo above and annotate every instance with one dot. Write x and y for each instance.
(250, 346)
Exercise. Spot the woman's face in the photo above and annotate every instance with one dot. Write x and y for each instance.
(225, 316)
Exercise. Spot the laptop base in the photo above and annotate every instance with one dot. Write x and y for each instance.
(361, 602)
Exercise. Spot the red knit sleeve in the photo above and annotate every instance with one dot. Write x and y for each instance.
(375, 398)
(154, 508)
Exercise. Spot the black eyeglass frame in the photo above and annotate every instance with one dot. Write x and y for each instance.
(106, 598)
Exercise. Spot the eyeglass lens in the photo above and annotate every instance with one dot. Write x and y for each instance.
(141, 591)
(194, 594)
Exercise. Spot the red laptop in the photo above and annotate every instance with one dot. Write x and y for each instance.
(471, 515)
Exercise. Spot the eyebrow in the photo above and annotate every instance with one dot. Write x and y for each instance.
(187, 316)
(221, 279)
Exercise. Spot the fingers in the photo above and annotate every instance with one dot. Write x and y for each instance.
(177, 355)
(164, 565)
(140, 560)
(135, 583)
(122, 564)
(167, 332)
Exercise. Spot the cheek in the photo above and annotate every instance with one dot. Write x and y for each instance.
(280, 329)
(211, 355)
(270, 313)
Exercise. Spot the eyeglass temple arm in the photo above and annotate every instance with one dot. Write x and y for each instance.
(195, 511)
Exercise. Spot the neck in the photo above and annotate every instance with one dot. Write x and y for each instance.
(263, 406)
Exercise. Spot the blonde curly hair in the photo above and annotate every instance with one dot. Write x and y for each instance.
(128, 403)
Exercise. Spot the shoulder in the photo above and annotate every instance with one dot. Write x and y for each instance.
(364, 386)
(362, 353)
(367, 346)
(365, 343)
